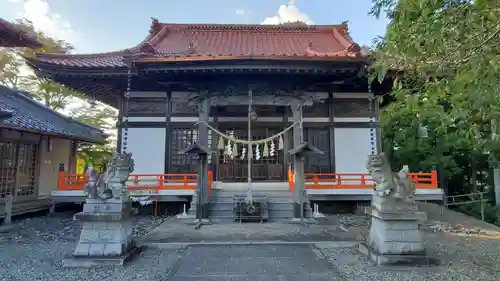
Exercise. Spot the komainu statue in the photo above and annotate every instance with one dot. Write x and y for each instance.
(397, 185)
(112, 183)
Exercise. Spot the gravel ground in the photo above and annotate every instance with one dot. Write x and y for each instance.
(62, 227)
(468, 249)
(33, 249)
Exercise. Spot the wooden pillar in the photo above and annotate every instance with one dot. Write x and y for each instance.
(298, 162)
(331, 132)
(286, 144)
(168, 132)
(203, 115)
(215, 142)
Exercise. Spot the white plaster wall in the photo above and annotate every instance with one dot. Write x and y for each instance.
(352, 147)
(49, 163)
(147, 146)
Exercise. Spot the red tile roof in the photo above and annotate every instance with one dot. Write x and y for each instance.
(12, 36)
(197, 42)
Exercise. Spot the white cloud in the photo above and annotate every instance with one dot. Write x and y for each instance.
(52, 24)
(288, 13)
(240, 12)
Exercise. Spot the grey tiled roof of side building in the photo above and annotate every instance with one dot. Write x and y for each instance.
(27, 114)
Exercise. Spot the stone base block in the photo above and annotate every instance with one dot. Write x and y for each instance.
(402, 260)
(104, 239)
(396, 237)
(87, 262)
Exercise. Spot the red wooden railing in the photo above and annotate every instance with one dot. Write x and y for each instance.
(152, 182)
(359, 181)
(141, 182)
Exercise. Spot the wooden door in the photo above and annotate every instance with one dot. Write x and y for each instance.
(234, 167)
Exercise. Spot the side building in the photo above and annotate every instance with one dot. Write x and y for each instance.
(36, 144)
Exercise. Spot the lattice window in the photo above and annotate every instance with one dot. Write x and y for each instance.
(18, 169)
(352, 108)
(8, 160)
(319, 138)
(28, 158)
(181, 139)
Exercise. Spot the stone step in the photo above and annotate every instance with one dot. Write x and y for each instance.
(254, 194)
(255, 185)
(270, 206)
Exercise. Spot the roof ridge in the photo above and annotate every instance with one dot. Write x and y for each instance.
(292, 26)
(20, 94)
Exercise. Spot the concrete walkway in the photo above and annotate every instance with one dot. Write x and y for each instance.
(253, 262)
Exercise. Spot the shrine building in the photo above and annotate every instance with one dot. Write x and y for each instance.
(304, 83)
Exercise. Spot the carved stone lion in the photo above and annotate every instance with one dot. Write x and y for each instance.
(388, 183)
(112, 183)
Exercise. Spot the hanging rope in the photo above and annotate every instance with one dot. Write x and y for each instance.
(371, 108)
(125, 114)
(253, 142)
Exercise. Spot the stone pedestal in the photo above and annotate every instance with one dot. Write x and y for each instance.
(106, 237)
(395, 237)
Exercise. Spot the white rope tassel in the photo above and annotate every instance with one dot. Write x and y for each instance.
(254, 142)
(220, 145)
(272, 149)
(257, 152)
(235, 151)
(229, 149)
(280, 143)
(265, 152)
(243, 153)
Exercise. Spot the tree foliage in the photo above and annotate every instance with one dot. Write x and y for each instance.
(443, 57)
(15, 74)
(98, 116)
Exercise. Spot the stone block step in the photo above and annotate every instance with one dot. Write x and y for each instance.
(229, 207)
(255, 185)
(256, 194)
(273, 214)
(269, 199)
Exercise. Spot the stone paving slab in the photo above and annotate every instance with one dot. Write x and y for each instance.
(254, 262)
(176, 232)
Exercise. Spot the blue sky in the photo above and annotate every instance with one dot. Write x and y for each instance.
(107, 25)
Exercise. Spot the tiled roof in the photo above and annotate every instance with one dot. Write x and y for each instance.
(29, 115)
(190, 42)
(12, 36)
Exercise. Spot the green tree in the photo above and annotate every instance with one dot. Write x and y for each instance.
(102, 117)
(10, 67)
(444, 60)
(50, 93)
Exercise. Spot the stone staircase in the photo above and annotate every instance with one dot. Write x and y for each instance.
(279, 198)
